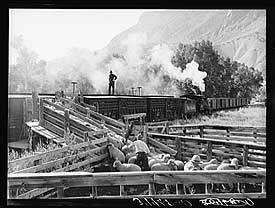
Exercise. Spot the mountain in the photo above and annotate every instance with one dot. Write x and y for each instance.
(237, 34)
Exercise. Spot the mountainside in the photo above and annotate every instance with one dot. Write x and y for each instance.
(237, 34)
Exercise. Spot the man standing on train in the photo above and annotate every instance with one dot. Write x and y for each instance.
(112, 78)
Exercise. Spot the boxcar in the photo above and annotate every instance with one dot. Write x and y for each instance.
(156, 108)
(131, 105)
(106, 105)
(173, 108)
(212, 103)
(190, 107)
(19, 112)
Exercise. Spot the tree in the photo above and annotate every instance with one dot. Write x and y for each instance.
(25, 69)
(84, 84)
(224, 77)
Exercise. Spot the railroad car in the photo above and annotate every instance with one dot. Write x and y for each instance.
(19, 112)
(157, 108)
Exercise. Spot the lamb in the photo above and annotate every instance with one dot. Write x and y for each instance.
(125, 167)
(179, 164)
(116, 142)
(212, 161)
(228, 166)
(132, 159)
(170, 165)
(156, 160)
(114, 152)
(211, 167)
(130, 155)
(232, 166)
(125, 149)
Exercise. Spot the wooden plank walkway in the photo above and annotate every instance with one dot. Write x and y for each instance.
(35, 127)
(22, 144)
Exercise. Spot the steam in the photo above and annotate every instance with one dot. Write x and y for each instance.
(162, 54)
(135, 66)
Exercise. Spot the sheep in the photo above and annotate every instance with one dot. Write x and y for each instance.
(116, 142)
(170, 165)
(228, 166)
(125, 167)
(129, 155)
(125, 149)
(232, 166)
(132, 159)
(142, 161)
(114, 152)
(156, 160)
(211, 167)
(212, 161)
(179, 164)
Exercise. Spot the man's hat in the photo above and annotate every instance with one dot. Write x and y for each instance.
(196, 159)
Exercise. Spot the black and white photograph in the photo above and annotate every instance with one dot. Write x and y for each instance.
(156, 106)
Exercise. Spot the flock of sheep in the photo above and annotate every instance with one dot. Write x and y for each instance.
(136, 156)
(126, 156)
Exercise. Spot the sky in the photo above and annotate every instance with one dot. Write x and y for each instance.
(52, 32)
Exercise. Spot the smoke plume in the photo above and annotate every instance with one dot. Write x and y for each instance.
(135, 65)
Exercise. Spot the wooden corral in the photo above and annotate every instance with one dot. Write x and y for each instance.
(150, 178)
(48, 173)
(249, 154)
(70, 158)
(223, 132)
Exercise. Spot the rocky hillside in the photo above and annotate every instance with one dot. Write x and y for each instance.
(238, 34)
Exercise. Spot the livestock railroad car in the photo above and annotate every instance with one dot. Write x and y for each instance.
(157, 108)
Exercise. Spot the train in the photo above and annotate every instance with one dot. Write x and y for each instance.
(157, 108)
(161, 108)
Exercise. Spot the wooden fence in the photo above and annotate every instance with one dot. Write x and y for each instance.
(98, 118)
(149, 178)
(222, 132)
(249, 154)
(76, 157)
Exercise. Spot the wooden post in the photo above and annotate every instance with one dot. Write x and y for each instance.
(121, 190)
(206, 189)
(88, 112)
(263, 188)
(140, 121)
(126, 124)
(81, 97)
(152, 189)
(145, 134)
(245, 155)
(94, 191)
(24, 111)
(228, 133)
(60, 192)
(184, 131)
(66, 120)
(209, 150)
(34, 106)
(167, 128)
(41, 117)
(85, 136)
(255, 134)
(179, 189)
(178, 148)
(201, 131)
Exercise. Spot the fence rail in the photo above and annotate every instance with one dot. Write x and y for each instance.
(249, 154)
(255, 134)
(150, 178)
